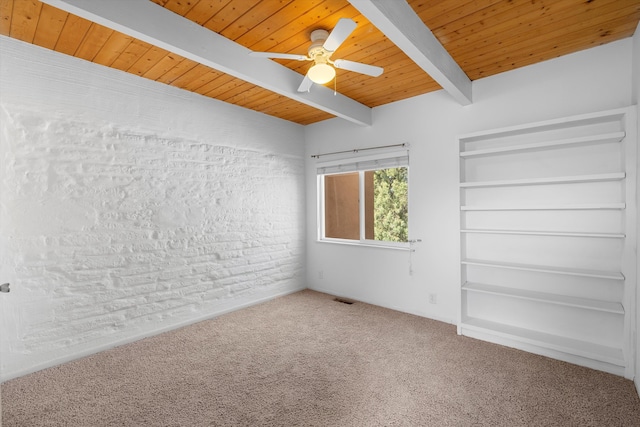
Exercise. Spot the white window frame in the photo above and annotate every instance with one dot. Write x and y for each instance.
(361, 164)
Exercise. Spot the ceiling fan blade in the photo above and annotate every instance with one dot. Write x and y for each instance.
(343, 28)
(275, 55)
(369, 70)
(305, 85)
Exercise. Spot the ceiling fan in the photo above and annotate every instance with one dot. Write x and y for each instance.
(323, 44)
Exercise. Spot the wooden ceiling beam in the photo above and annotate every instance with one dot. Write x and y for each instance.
(400, 23)
(160, 27)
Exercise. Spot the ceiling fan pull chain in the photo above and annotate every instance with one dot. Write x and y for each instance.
(335, 85)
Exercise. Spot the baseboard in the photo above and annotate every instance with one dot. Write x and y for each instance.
(637, 382)
(146, 334)
(367, 301)
(558, 354)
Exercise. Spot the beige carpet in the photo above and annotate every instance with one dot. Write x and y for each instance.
(306, 360)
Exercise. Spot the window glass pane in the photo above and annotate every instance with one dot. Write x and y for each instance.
(389, 207)
(341, 207)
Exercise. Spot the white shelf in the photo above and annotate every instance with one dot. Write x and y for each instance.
(588, 304)
(612, 355)
(573, 207)
(562, 163)
(583, 140)
(546, 233)
(613, 275)
(615, 115)
(616, 176)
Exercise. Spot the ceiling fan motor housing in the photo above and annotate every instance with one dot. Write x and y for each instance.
(316, 51)
(319, 35)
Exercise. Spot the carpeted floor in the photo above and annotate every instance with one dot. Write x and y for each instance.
(307, 360)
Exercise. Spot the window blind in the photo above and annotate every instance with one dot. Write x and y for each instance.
(364, 163)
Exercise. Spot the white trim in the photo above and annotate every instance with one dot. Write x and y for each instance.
(629, 259)
(320, 207)
(361, 205)
(402, 246)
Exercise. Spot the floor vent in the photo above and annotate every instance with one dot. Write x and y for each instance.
(344, 300)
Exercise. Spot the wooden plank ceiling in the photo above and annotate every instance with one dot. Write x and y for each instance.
(485, 37)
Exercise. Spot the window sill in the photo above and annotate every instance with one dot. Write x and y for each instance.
(396, 246)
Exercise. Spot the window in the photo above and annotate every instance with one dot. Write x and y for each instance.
(365, 200)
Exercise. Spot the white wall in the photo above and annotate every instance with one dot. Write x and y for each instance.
(588, 81)
(128, 207)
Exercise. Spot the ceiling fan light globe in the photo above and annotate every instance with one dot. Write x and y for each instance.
(321, 73)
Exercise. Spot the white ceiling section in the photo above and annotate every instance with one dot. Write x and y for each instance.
(153, 24)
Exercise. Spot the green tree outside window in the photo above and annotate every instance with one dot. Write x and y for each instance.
(391, 207)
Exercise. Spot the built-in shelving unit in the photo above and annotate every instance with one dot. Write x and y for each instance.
(547, 233)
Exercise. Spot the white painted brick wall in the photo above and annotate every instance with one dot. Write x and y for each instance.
(116, 227)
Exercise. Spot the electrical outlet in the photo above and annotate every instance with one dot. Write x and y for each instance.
(433, 298)
(320, 274)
